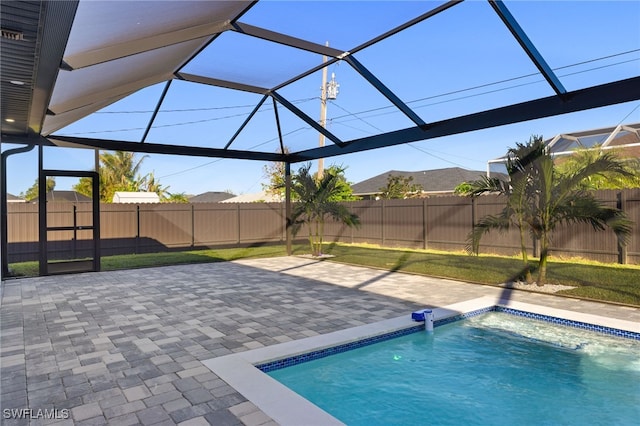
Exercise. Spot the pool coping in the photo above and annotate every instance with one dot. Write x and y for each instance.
(288, 408)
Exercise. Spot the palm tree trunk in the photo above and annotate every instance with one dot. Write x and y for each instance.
(544, 254)
(316, 238)
(320, 236)
(525, 257)
(311, 237)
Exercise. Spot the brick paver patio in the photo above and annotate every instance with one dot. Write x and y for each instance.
(126, 347)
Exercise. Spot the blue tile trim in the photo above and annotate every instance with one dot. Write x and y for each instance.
(569, 323)
(321, 353)
(310, 356)
(460, 317)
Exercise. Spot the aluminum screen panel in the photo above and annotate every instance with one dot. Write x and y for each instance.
(104, 30)
(457, 74)
(585, 43)
(344, 24)
(78, 88)
(249, 60)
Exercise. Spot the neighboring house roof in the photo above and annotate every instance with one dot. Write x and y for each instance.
(69, 196)
(211, 197)
(135, 197)
(432, 181)
(257, 197)
(13, 199)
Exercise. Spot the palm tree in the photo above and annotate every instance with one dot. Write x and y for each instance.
(176, 197)
(540, 198)
(122, 169)
(518, 190)
(151, 184)
(574, 161)
(316, 201)
(119, 171)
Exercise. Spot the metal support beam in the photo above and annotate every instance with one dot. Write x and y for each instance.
(593, 97)
(363, 71)
(286, 40)
(287, 202)
(275, 111)
(221, 83)
(528, 46)
(42, 214)
(4, 218)
(304, 117)
(156, 148)
(255, 110)
(155, 111)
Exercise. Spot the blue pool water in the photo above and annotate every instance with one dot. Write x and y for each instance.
(495, 369)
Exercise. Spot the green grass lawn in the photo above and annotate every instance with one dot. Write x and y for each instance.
(611, 283)
(606, 282)
(148, 260)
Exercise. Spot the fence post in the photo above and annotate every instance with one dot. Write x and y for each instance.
(425, 233)
(621, 204)
(137, 245)
(75, 232)
(382, 222)
(351, 227)
(238, 218)
(473, 212)
(193, 227)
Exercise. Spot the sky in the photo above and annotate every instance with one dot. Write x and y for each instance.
(459, 62)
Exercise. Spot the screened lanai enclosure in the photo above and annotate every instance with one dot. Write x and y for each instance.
(623, 139)
(240, 79)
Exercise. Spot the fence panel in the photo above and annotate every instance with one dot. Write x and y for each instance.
(370, 214)
(504, 243)
(215, 224)
(632, 207)
(449, 222)
(339, 232)
(164, 226)
(261, 222)
(118, 229)
(581, 240)
(445, 221)
(22, 232)
(404, 223)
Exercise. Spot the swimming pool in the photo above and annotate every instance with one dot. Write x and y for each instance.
(496, 368)
(287, 407)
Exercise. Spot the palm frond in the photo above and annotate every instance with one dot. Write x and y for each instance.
(341, 213)
(315, 199)
(486, 184)
(604, 164)
(583, 207)
(500, 222)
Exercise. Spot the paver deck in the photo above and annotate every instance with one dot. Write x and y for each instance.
(126, 347)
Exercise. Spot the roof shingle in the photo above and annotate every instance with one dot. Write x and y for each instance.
(439, 180)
